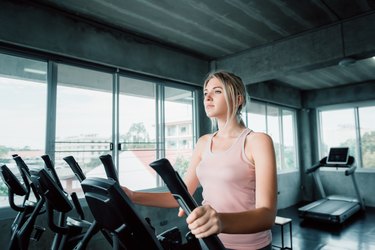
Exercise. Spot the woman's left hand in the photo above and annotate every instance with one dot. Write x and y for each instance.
(204, 221)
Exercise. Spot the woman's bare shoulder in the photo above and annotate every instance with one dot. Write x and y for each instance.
(204, 139)
(258, 135)
(258, 138)
(258, 145)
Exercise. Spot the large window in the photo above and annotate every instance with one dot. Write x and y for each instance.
(280, 124)
(23, 99)
(138, 133)
(83, 121)
(155, 121)
(64, 110)
(351, 127)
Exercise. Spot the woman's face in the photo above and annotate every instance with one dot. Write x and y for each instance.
(214, 99)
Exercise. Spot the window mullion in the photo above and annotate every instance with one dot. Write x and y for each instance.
(358, 138)
(160, 126)
(281, 132)
(115, 119)
(51, 109)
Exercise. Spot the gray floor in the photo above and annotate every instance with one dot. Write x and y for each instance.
(357, 233)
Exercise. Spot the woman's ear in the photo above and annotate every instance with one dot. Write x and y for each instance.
(240, 100)
(239, 103)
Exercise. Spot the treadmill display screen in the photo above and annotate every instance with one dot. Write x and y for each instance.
(338, 156)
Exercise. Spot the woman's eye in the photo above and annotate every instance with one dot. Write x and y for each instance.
(205, 93)
(217, 91)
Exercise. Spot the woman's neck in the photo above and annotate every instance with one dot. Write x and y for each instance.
(229, 129)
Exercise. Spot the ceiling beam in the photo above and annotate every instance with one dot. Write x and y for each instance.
(311, 50)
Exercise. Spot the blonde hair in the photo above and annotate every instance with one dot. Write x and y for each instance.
(233, 88)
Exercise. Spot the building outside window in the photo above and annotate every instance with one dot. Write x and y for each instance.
(171, 130)
(183, 130)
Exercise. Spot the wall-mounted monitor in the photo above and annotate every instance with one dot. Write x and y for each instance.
(338, 156)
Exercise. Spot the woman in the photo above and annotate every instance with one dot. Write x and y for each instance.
(237, 171)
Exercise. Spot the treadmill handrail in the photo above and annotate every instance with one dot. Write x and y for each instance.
(179, 191)
(313, 168)
(323, 163)
(350, 171)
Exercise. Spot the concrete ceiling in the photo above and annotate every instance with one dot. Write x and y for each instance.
(218, 29)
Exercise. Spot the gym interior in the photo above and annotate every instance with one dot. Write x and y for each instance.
(87, 79)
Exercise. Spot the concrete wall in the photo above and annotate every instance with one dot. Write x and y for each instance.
(44, 30)
(359, 92)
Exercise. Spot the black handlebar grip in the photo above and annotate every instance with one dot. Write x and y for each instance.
(179, 191)
(23, 169)
(109, 167)
(75, 167)
(12, 182)
(51, 169)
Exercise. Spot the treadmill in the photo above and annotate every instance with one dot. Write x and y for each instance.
(334, 208)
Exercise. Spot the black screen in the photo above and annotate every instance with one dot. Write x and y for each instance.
(338, 156)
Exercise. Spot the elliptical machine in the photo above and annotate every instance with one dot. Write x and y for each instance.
(23, 225)
(114, 211)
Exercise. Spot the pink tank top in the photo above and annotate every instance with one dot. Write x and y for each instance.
(228, 182)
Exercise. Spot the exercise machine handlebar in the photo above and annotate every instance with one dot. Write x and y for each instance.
(75, 167)
(109, 166)
(51, 169)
